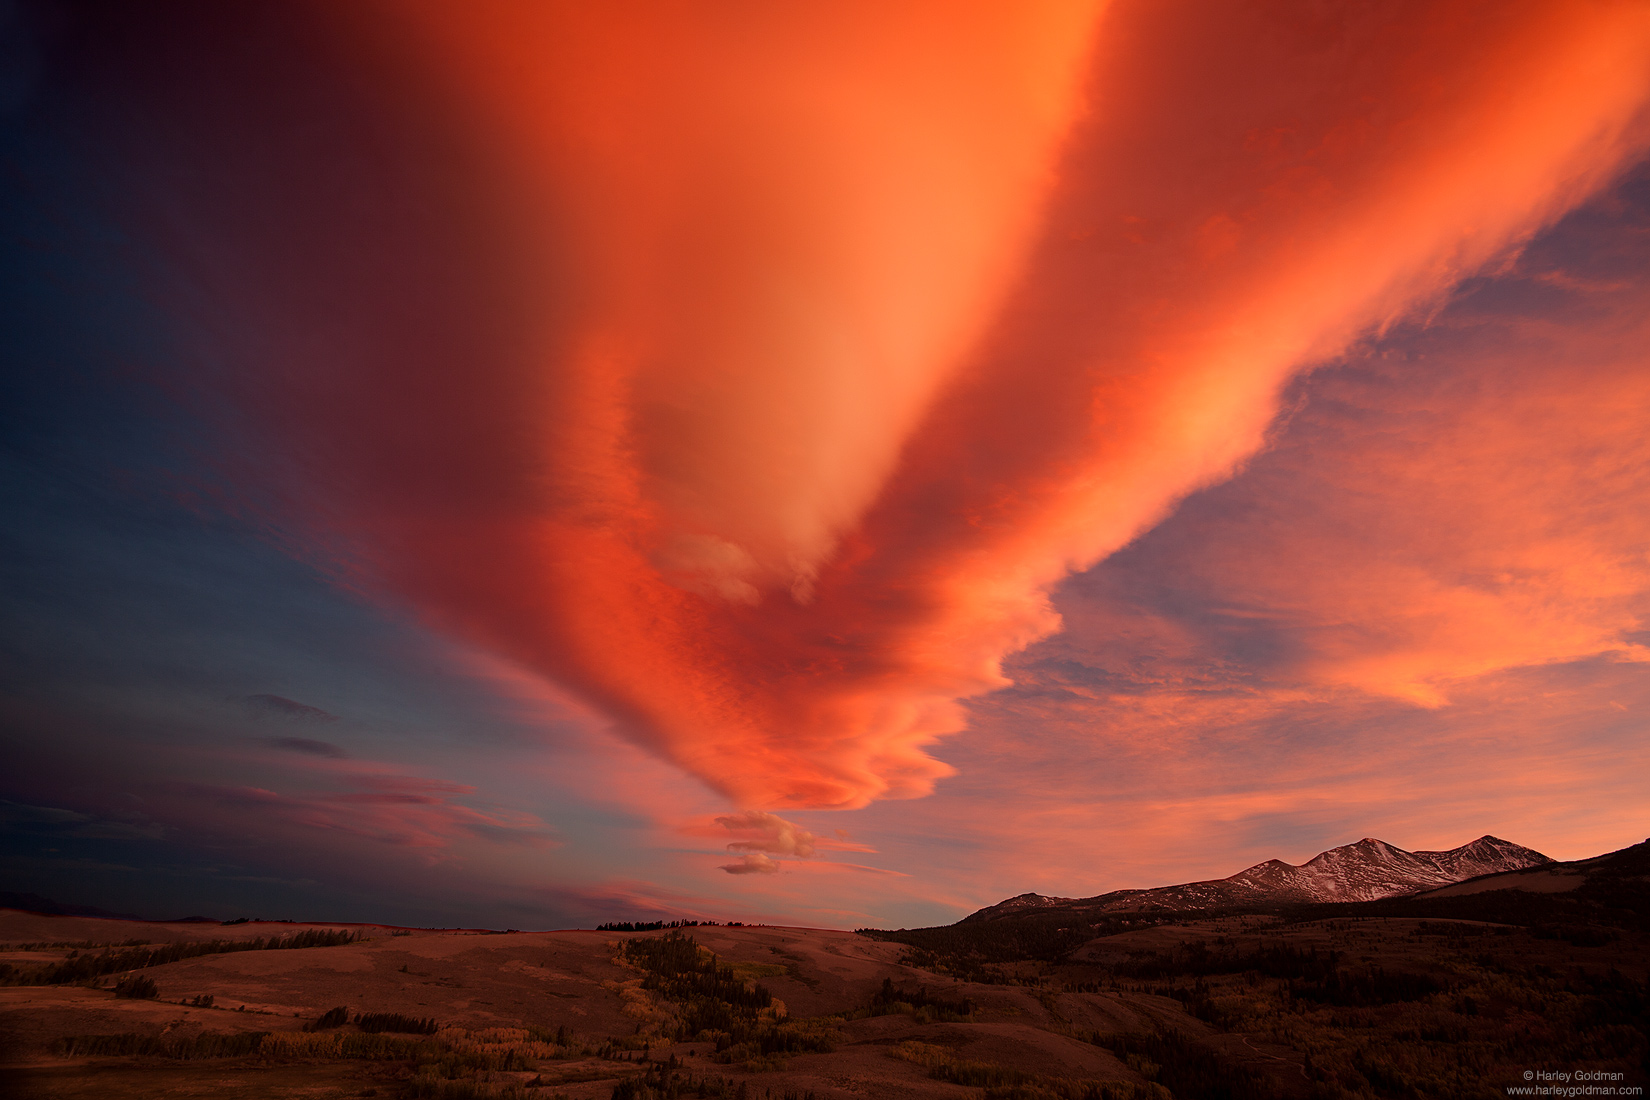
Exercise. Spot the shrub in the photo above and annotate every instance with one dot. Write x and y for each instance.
(668, 1081)
(331, 1018)
(1007, 1083)
(137, 987)
(79, 968)
(1185, 1067)
(709, 997)
(889, 998)
(208, 1044)
(373, 1022)
(1374, 985)
(302, 1045)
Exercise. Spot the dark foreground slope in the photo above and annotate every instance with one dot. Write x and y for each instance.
(1450, 992)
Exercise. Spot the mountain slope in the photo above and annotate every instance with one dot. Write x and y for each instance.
(1620, 878)
(1365, 871)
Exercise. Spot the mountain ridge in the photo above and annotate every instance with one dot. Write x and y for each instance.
(1366, 870)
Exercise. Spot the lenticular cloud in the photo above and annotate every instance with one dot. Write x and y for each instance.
(863, 328)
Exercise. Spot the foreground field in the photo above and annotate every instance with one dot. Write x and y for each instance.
(554, 1014)
(1232, 1007)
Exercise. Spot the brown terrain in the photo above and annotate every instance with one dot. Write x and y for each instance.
(485, 988)
(1401, 997)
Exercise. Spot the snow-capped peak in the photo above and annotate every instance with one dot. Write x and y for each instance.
(1366, 870)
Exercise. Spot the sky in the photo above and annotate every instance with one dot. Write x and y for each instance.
(532, 464)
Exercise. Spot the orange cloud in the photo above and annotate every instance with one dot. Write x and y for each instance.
(861, 329)
(1453, 501)
(765, 832)
(1418, 613)
(752, 863)
(1501, 534)
(1068, 796)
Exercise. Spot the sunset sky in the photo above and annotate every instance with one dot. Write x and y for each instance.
(535, 463)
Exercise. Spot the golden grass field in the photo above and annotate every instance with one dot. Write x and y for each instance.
(568, 1014)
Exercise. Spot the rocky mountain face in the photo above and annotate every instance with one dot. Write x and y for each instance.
(1364, 871)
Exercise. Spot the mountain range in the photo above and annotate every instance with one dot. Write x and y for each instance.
(1366, 871)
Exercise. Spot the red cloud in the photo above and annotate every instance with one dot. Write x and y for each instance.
(859, 330)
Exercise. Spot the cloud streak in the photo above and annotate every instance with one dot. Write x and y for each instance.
(400, 810)
(308, 746)
(278, 706)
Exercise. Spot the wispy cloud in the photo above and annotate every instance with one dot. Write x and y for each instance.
(406, 811)
(55, 820)
(277, 706)
(308, 746)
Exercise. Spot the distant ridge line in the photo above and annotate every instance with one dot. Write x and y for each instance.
(1367, 870)
(46, 907)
